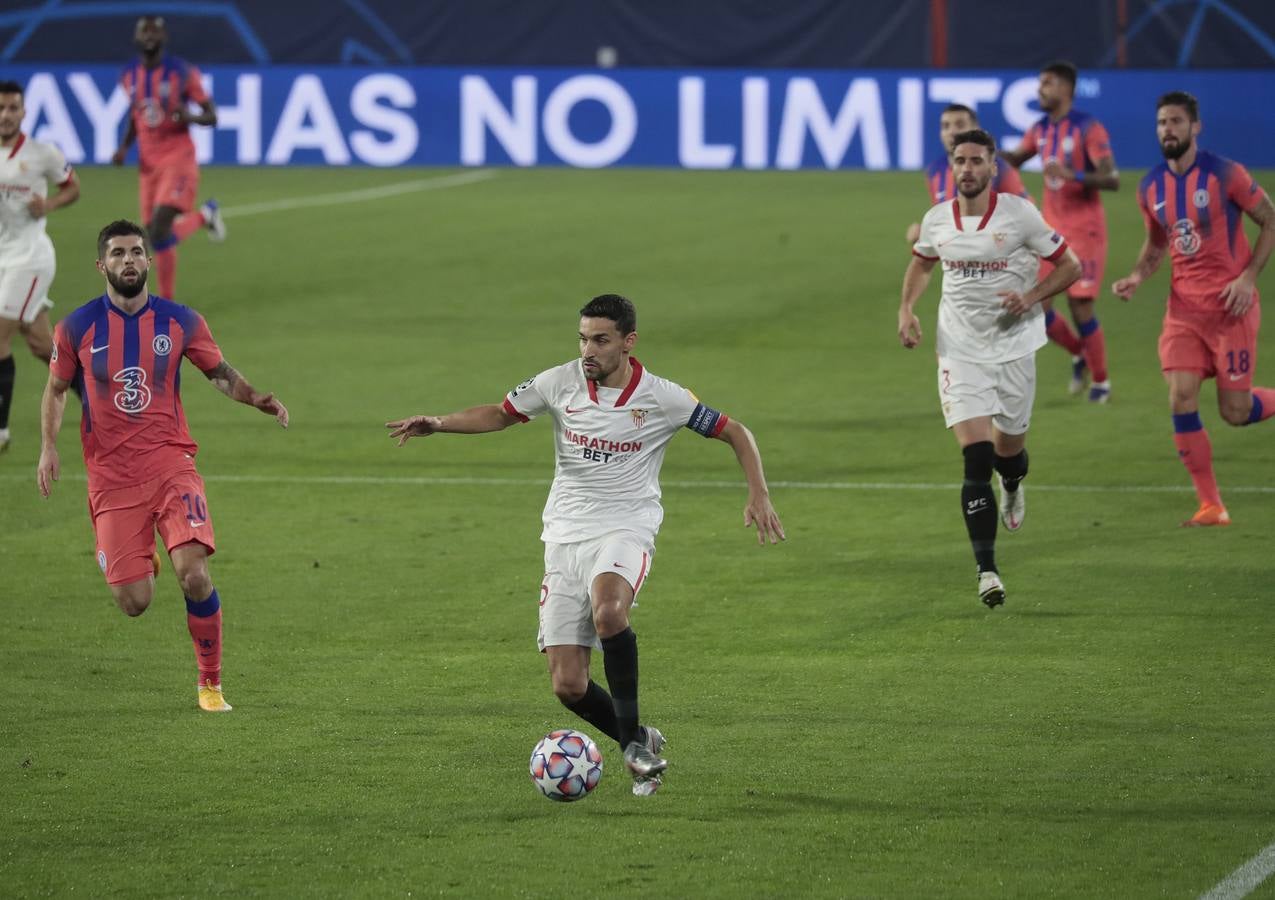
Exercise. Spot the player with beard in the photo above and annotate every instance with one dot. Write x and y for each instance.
(160, 89)
(27, 261)
(989, 329)
(1192, 205)
(126, 347)
(613, 421)
(1078, 163)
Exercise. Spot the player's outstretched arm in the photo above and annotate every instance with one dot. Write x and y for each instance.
(758, 510)
(236, 387)
(915, 280)
(475, 420)
(1149, 259)
(52, 406)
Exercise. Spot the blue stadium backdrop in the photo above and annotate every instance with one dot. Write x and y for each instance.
(691, 118)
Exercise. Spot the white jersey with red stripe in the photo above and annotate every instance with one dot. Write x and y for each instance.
(982, 257)
(26, 168)
(609, 445)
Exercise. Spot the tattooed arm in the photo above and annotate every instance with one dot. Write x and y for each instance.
(227, 380)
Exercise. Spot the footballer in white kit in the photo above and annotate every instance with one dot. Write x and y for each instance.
(27, 261)
(612, 422)
(990, 325)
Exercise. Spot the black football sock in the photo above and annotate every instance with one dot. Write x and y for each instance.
(1012, 469)
(7, 371)
(620, 659)
(978, 503)
(597, 708)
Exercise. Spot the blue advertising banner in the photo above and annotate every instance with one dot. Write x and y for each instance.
(698, 119)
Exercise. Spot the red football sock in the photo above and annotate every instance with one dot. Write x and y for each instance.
(166, 270)
(205, 632)
(1265, 399)
(1060, 333)
(1196, 454)
(187, 224)
(1096, 353)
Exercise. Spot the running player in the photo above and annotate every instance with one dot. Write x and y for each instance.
(126, 347)
(1078, 163)
(989, 330)
(1192, 204)
(27, 262)
(160, 89)
(613, 421)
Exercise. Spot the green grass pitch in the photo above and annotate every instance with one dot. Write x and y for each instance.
(844, 717)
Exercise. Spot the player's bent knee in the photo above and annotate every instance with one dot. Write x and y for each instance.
(610, 619)
(1234, 414)
(135, 598)
(196, 583)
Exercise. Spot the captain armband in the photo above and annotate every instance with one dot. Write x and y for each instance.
(707, 421)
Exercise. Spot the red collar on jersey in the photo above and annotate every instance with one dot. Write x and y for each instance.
(17, 145)
(628, 388)
(991, 207)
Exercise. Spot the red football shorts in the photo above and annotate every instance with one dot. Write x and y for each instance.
(1218, 347)
(125, 521)
(1091, 247)
(168, 184)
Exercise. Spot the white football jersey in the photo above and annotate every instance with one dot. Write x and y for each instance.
(608, 447)
(26, 169)
(981, 257)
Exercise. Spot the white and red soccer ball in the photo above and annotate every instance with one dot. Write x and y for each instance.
(566, 765)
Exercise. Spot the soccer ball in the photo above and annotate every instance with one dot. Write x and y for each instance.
(566, 765)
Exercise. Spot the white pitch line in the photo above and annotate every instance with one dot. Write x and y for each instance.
(1246, 878)
(358, 196)
(425, 480)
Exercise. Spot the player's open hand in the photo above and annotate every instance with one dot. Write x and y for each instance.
(1237, 296)
(48, 471)
(270, 405)
(413, 426)
(909, 329)
(759, 512)
(1125, 287)
(1014, 303)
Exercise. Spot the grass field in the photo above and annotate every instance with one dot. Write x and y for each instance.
(844, 717)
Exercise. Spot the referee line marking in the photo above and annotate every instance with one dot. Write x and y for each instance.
(1246, 878)
(360, 195)
(426, 480)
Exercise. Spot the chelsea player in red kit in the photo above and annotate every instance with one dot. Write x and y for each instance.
(1078, 163)
(125, 350)
(1194, 204)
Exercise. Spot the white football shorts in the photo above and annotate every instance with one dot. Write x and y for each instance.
(566, 611)
(24, 292)
(1005, 391)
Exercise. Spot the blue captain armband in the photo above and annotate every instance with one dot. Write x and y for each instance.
(707, 421)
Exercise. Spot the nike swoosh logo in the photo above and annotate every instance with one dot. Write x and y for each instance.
(1159, 206)
(571, 411)
(1235, 377)
(618, 565)
(195, 524)
(98, 349)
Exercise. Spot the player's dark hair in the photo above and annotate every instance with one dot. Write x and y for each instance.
(1182, 99)
(119, 228)
(614, 307)
(10, 87)
(1064, 70)
(975, 136)
(962, 108)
